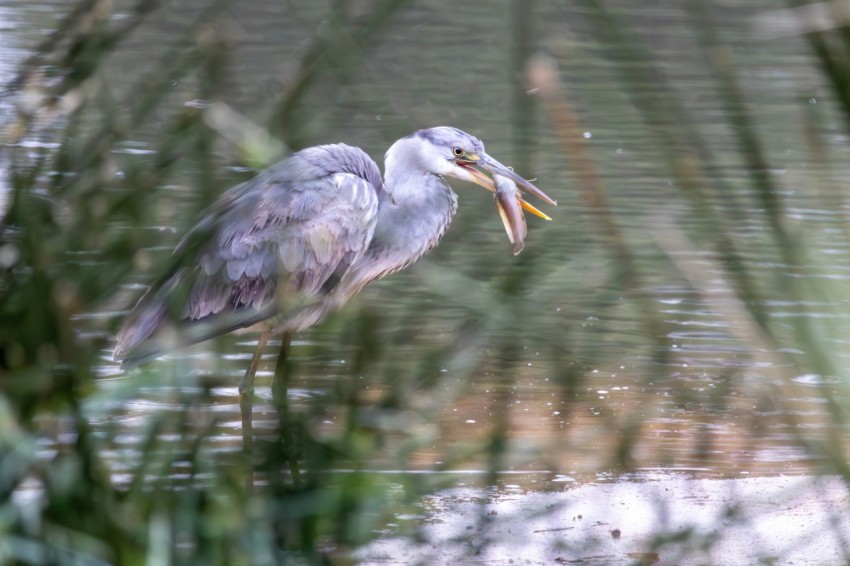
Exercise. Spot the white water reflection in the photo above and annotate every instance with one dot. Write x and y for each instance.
(644, 519)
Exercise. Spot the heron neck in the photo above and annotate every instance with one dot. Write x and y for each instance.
(418, 204)
(412, 218)
(413, 215)
(404, 184)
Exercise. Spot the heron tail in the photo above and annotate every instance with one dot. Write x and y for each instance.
(153, 332)
(145, 320)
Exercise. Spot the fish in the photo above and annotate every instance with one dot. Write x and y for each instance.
(508, 202)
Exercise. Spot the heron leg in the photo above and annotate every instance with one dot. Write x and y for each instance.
(280, 382)
(280, 386)
(246, 392)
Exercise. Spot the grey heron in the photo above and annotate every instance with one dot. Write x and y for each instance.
(300, 239)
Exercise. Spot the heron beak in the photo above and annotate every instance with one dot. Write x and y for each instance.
(506, 185)
(470, 165)
(496, 168)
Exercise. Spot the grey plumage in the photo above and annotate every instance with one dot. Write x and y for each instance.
(304, 236)
(448, 136)
(293, 226)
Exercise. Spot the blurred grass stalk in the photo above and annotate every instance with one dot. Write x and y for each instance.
(67, 201)
(691, 166)
(178, 498)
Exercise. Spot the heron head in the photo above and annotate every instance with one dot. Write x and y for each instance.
(451, 152)
(454, 153)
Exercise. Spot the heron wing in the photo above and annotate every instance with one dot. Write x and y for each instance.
(288, 239)
(280, 239)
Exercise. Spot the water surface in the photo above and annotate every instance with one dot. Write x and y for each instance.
(569, 370)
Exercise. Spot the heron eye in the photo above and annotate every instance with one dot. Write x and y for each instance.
(457, 151)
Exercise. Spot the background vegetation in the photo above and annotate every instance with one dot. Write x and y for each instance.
(122, 120)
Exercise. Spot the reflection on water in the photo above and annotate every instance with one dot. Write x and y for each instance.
(709, 409)
(791, 520)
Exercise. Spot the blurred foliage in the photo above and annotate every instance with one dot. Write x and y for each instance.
(83, 217)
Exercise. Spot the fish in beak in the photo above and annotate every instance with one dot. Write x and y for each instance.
(507, 186)
(508, 203)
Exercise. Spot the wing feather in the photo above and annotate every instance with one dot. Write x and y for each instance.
(284, 237)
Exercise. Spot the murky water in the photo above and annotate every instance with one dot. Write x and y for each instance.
(715, 402)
